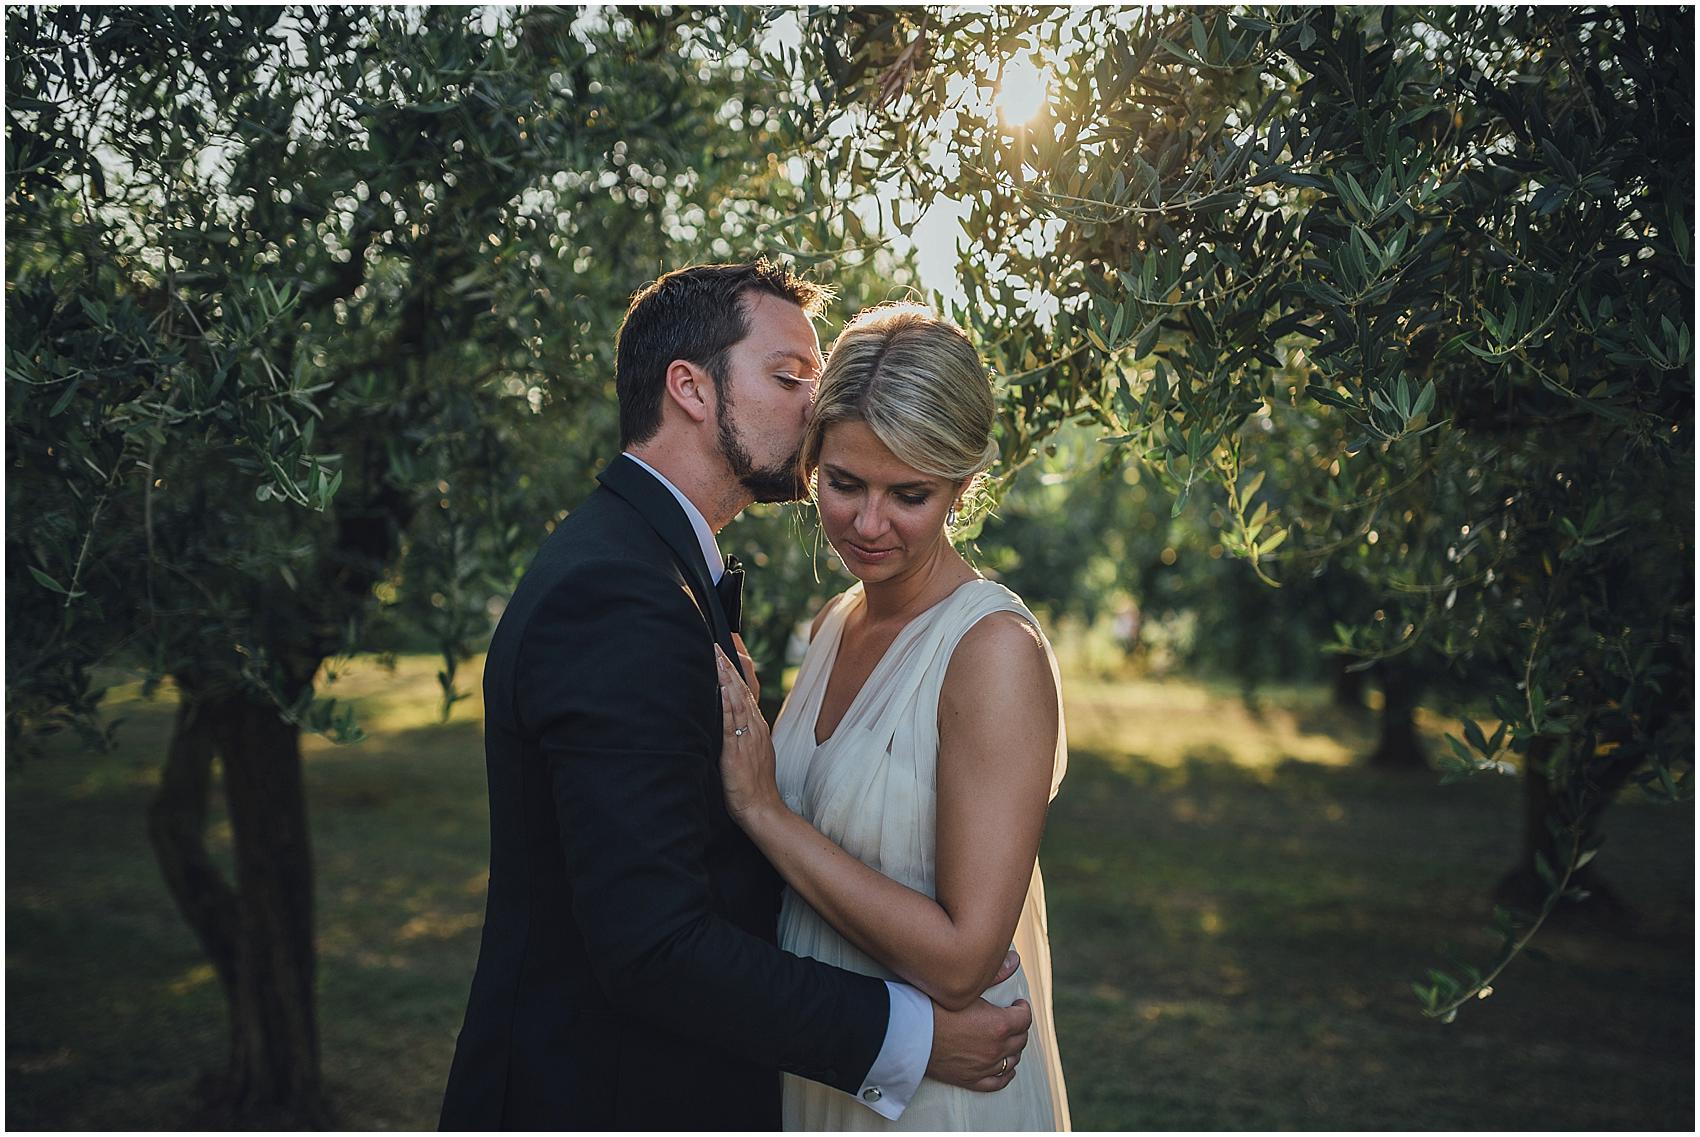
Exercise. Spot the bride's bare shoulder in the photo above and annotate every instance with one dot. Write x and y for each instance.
(1000, 661)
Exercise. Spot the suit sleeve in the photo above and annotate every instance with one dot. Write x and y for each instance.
(616, 676)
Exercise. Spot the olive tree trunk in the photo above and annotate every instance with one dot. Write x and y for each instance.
(1399, 747)
(1347, 686)
(1522, 886)
(257, 932)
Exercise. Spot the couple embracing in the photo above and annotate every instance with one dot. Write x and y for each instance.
(694, 923)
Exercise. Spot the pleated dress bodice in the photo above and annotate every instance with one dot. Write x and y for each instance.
(870, 788)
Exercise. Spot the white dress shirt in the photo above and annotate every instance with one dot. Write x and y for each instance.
(902, 1061)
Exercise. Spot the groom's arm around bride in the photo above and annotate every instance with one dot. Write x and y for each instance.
(628, 976)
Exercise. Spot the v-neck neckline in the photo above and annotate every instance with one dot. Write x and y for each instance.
(838, 644)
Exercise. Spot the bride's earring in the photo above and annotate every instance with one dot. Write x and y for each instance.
(950, 517)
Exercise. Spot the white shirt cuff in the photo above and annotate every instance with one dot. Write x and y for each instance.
(902, 1063)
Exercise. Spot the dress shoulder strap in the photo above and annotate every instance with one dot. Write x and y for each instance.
(898, 707)
(968, 606)
(817, 661)
(924, 649)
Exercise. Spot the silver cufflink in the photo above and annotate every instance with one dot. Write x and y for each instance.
(872, 1093)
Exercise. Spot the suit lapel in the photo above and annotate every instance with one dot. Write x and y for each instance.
(658, 507)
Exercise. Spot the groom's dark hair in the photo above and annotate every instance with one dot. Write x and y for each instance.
(695, 314)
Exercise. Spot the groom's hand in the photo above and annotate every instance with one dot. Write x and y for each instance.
(979, 1048)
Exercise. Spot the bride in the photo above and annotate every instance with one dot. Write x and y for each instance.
(924, 735)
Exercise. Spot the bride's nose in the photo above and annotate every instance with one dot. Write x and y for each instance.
(870, 522)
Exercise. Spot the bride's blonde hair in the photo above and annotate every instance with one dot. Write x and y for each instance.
(915, 379)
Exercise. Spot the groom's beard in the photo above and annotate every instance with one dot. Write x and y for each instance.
(775, 483)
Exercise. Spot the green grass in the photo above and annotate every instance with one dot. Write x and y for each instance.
(1236, 915)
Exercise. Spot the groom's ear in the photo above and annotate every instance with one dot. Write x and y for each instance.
(691, 390)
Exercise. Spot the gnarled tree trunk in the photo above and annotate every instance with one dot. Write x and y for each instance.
(1347, 685)
(1399, 748)
(1522, 886)
(258, 934)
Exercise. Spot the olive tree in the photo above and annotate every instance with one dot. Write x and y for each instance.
(310, 316)
(1446, 250)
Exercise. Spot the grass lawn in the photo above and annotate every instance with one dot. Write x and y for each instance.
(1237, 912)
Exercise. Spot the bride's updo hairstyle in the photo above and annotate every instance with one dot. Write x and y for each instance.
(916, 381)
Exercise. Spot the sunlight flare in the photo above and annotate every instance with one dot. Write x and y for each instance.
(1023, 91)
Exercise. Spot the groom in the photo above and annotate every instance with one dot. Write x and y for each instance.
(628, 976)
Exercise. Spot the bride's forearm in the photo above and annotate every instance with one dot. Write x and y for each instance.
(907, 931)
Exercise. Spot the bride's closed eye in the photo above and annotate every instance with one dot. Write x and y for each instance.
(905, 498)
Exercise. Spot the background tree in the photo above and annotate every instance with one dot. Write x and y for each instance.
(1458, 239)
(310, 320)
(1087, 536)
(310, 315)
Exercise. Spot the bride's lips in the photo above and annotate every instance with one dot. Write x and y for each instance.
(866, 555)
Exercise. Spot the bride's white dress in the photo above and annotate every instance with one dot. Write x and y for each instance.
(870, 788)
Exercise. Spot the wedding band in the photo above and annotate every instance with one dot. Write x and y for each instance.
(1003, 1065)
(740, 731)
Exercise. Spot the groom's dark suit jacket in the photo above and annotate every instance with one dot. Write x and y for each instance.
(628, 977)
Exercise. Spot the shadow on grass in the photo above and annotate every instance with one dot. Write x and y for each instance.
(1233, 945)
(113, 1014)
(1234, 948)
